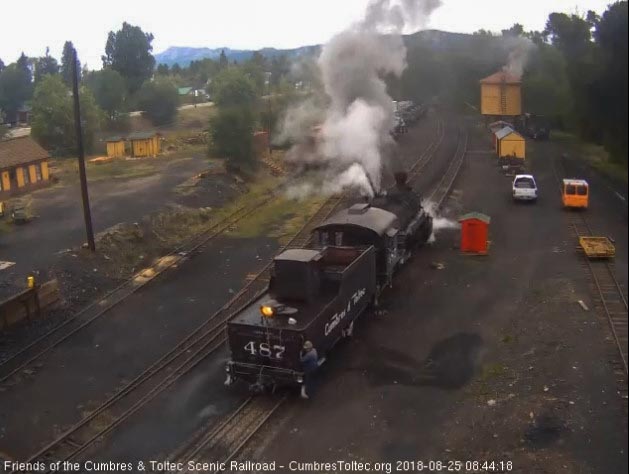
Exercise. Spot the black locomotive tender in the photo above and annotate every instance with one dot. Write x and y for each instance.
(317, 293)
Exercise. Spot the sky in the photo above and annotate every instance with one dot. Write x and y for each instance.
(32, 25)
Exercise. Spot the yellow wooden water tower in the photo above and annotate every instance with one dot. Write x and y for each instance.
(500, 95)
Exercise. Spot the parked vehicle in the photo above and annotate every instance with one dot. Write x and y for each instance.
(575, 193)
(524, 188)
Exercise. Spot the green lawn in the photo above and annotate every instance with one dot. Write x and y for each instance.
(593, 154)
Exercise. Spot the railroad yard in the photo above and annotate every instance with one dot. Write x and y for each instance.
(387, 252)
(500, 363)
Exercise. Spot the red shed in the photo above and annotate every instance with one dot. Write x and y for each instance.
(474, 232)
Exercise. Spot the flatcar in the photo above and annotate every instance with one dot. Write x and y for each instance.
(315, 294)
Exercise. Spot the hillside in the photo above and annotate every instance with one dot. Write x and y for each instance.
(182, 55)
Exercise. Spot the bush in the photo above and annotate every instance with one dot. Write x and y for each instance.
(231, 131)
(159, 100)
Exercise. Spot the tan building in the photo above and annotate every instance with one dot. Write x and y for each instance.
(510, 144)
(115, 147)
(23, 166)
(500, 95)
(145, 144)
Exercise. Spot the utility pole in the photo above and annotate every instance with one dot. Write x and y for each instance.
(87, 215)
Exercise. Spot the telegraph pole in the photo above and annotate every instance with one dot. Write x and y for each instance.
(87, 215)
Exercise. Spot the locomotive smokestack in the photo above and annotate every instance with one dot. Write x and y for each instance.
(401, 177)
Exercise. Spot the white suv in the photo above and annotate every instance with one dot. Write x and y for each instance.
(524, 188)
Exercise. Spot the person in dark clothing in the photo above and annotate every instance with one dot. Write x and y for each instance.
(309, 364)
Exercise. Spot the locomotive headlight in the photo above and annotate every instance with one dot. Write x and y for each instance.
(267, 311)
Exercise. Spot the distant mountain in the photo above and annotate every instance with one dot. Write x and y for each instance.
(435, 39)
(183, 55)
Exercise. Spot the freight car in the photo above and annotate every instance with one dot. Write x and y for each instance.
(315, 294)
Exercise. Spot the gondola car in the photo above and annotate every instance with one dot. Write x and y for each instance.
(317, 293)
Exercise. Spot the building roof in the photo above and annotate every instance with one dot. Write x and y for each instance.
(501, 77)
(141, 135)
(372, 218)
(495, 126)
(115, 138)
(475, 215)
(506, 131)
(184, 90)
(21, 150)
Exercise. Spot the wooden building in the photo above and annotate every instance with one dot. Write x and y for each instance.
(23, 166)
(115, 147)
(500, 95)
(144, 144)
(495, 127)
(510, 144)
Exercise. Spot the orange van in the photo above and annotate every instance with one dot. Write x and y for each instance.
(575, 193)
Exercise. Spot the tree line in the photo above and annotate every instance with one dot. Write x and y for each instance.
(129, 80)
(575, 73)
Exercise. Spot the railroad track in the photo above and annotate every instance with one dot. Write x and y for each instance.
(198, 345)
(611, 296)
(203, 341)
(224, 442)
(441, 191)
(428, 153)
(12, 367)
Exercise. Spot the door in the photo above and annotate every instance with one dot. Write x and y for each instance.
(13, 178)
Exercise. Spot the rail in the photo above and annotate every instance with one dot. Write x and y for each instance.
(220, 442)
(199, 344)
(443, 188)
(19, 361)
(610, 292)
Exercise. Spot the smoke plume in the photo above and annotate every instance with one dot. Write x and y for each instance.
(358, 116)
(519, 50)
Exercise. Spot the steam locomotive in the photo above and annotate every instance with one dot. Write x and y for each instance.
(316, 293)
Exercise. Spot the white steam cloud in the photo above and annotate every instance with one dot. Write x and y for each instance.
(439, 223)
(519, 50)
(359, 115)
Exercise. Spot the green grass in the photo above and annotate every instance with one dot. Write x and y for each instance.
(173, 227)
(281, 219)
(594, 155)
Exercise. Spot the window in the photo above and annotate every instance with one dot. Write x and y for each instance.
(525, 183)
(338, 238)
(324, 238)
(38, 172)
(571, 189)
(26, 175)
(582, 190)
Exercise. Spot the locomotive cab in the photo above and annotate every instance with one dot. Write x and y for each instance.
(394, 223)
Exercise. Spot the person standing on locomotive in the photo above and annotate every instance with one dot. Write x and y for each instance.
(309, 363)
